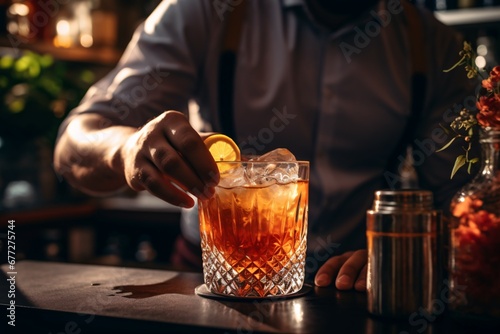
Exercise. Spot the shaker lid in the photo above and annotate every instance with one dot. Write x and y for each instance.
(403, 212)
(402, 200)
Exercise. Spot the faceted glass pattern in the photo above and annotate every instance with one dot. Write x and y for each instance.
(253, 239)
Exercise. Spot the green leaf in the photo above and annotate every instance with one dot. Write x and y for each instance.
(34, 70)
(17, 106)
(473, 161)
(22, 64)
(88, 77)
(444, 129)
(469, 168)
(46, 61)
(447, 145)
(459, 63)
(459, 163)
(6, 62)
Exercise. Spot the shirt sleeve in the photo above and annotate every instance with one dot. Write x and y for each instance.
(447, 93)
(160, 68)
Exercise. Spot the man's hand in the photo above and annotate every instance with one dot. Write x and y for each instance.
(168, 151)
(348, 270)
(166, 157)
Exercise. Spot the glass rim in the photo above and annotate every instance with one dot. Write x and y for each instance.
(300, 162)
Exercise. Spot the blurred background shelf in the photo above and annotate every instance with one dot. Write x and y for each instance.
(89, 31)
(125, 230)
(106, 56)
(479, 17)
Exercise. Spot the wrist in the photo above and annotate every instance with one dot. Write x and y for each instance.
(118, 151)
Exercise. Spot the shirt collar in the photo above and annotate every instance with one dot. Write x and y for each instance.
(291, 3)
(348, 27)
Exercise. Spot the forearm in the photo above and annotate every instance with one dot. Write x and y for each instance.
(88, 154)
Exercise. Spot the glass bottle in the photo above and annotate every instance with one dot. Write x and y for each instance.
(475, 240)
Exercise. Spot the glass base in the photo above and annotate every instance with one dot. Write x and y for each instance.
(203, 291)
(239, 276)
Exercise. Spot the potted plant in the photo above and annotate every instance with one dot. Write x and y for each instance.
(36, 94)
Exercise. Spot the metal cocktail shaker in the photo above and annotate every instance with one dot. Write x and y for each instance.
(404, 265)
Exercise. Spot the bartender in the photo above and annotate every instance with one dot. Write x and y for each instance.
(330, 80)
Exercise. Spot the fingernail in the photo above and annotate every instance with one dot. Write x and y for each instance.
(185, 205)
(323, 280)
(344, 280)
(212, 183)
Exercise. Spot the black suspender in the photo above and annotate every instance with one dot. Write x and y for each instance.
(415, 31)
(227, 66)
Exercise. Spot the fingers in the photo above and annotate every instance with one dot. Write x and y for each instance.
(150, 179)
(172, 165)
(167, 157)
(187, 141)
(350, 274)
(330, 269)
(347, 270)
(360, 284)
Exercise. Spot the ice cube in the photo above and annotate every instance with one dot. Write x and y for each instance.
(283, 172)
(279, 154)
(235, 176)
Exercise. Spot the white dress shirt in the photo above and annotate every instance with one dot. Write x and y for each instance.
(339, 99)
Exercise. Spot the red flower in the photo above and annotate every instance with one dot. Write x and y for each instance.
(477, 260)
(493, 79)
(489, 111)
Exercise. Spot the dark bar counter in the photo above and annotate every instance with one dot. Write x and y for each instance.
(72, 298)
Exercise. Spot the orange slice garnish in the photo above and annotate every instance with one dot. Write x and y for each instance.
(223, 148)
